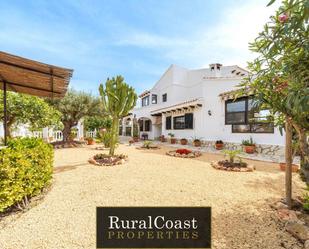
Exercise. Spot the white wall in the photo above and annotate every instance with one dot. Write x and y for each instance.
(214, 125)
(183, 85)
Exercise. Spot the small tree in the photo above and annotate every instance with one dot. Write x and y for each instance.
(118, 98)
(97, 122)
(75, 106)
(280, 78)
(27, 109)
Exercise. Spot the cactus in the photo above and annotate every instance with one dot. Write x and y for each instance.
(118, 98)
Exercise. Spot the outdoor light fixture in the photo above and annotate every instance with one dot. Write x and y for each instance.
(209, 112)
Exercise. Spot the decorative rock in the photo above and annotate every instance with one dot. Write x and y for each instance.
(279, 205)
(298, 230)
(105, 160)
(234, 169)
(193, 154)
(287, 215)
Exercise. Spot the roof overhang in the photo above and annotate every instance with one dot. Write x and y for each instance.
(187, 105)
(32, 77)
(234, 94)
(145, 93)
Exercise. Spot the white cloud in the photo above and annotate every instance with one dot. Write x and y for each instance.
(226, 42)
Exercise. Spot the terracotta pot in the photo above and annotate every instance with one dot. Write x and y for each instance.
(219, 146)
(135, 139)
(250, 149)
(173, 140)
(183, 141)
(197, 143)
(295, 168)
(90, 142)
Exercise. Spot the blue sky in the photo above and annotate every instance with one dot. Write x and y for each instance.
(138, 39)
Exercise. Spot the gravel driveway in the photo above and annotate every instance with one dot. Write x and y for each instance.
(66, 217)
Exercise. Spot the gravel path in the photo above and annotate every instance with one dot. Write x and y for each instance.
(66, 216)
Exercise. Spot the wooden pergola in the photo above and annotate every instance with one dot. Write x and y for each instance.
(22, 75)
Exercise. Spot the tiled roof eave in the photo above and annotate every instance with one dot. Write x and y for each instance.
(194, 102)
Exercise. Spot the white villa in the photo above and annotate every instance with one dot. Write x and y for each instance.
(200, 104)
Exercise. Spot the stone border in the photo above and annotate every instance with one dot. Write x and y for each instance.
(295, 221)
(249, 168)
(150, 148)
(193, 154)
(93, 161)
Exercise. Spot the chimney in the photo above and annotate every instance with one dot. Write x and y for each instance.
(216, 68)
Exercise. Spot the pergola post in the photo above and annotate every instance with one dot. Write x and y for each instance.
(4, 113)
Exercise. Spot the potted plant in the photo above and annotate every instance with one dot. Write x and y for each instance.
(162, 139)
(90, 141)
(197, 142)
(173, 139)
(183, 141)
(131, 141)
(249, 145)
(219, 144)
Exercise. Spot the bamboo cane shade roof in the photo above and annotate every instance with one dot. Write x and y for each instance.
(32, 77)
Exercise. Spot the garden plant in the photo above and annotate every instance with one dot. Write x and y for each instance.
(281, 73)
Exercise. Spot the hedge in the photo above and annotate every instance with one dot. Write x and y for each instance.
(26, 167)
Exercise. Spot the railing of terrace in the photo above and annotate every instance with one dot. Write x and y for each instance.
(38, 134)
(57, 136)
(92, 134)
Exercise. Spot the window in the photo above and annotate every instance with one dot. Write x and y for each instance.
(154, 98)
(253, 128)
(235, 112)
(245, 117)
(145, 101)
(147, 125)
(183, 122)
(164, 97)
(179, 123)
(189, 121)
(168, 123)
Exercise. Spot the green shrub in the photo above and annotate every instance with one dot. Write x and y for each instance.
(232, 154)
(106, 138)
(248, 142)
(26, 167)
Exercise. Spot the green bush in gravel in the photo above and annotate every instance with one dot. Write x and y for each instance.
(26, 167)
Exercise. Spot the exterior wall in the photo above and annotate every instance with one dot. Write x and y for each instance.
(214, 125)
(187, 133)
(183, 85)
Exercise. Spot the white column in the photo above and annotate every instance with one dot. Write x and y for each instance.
(45, 133)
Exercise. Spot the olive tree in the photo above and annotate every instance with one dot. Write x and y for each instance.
(73, 107)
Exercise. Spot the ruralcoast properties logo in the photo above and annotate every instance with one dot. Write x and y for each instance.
(153, 227)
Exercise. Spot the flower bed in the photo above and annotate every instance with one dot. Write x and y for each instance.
(68, 144)
(184, 153)
(107, 160)
(235, 166)
(148, 145)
